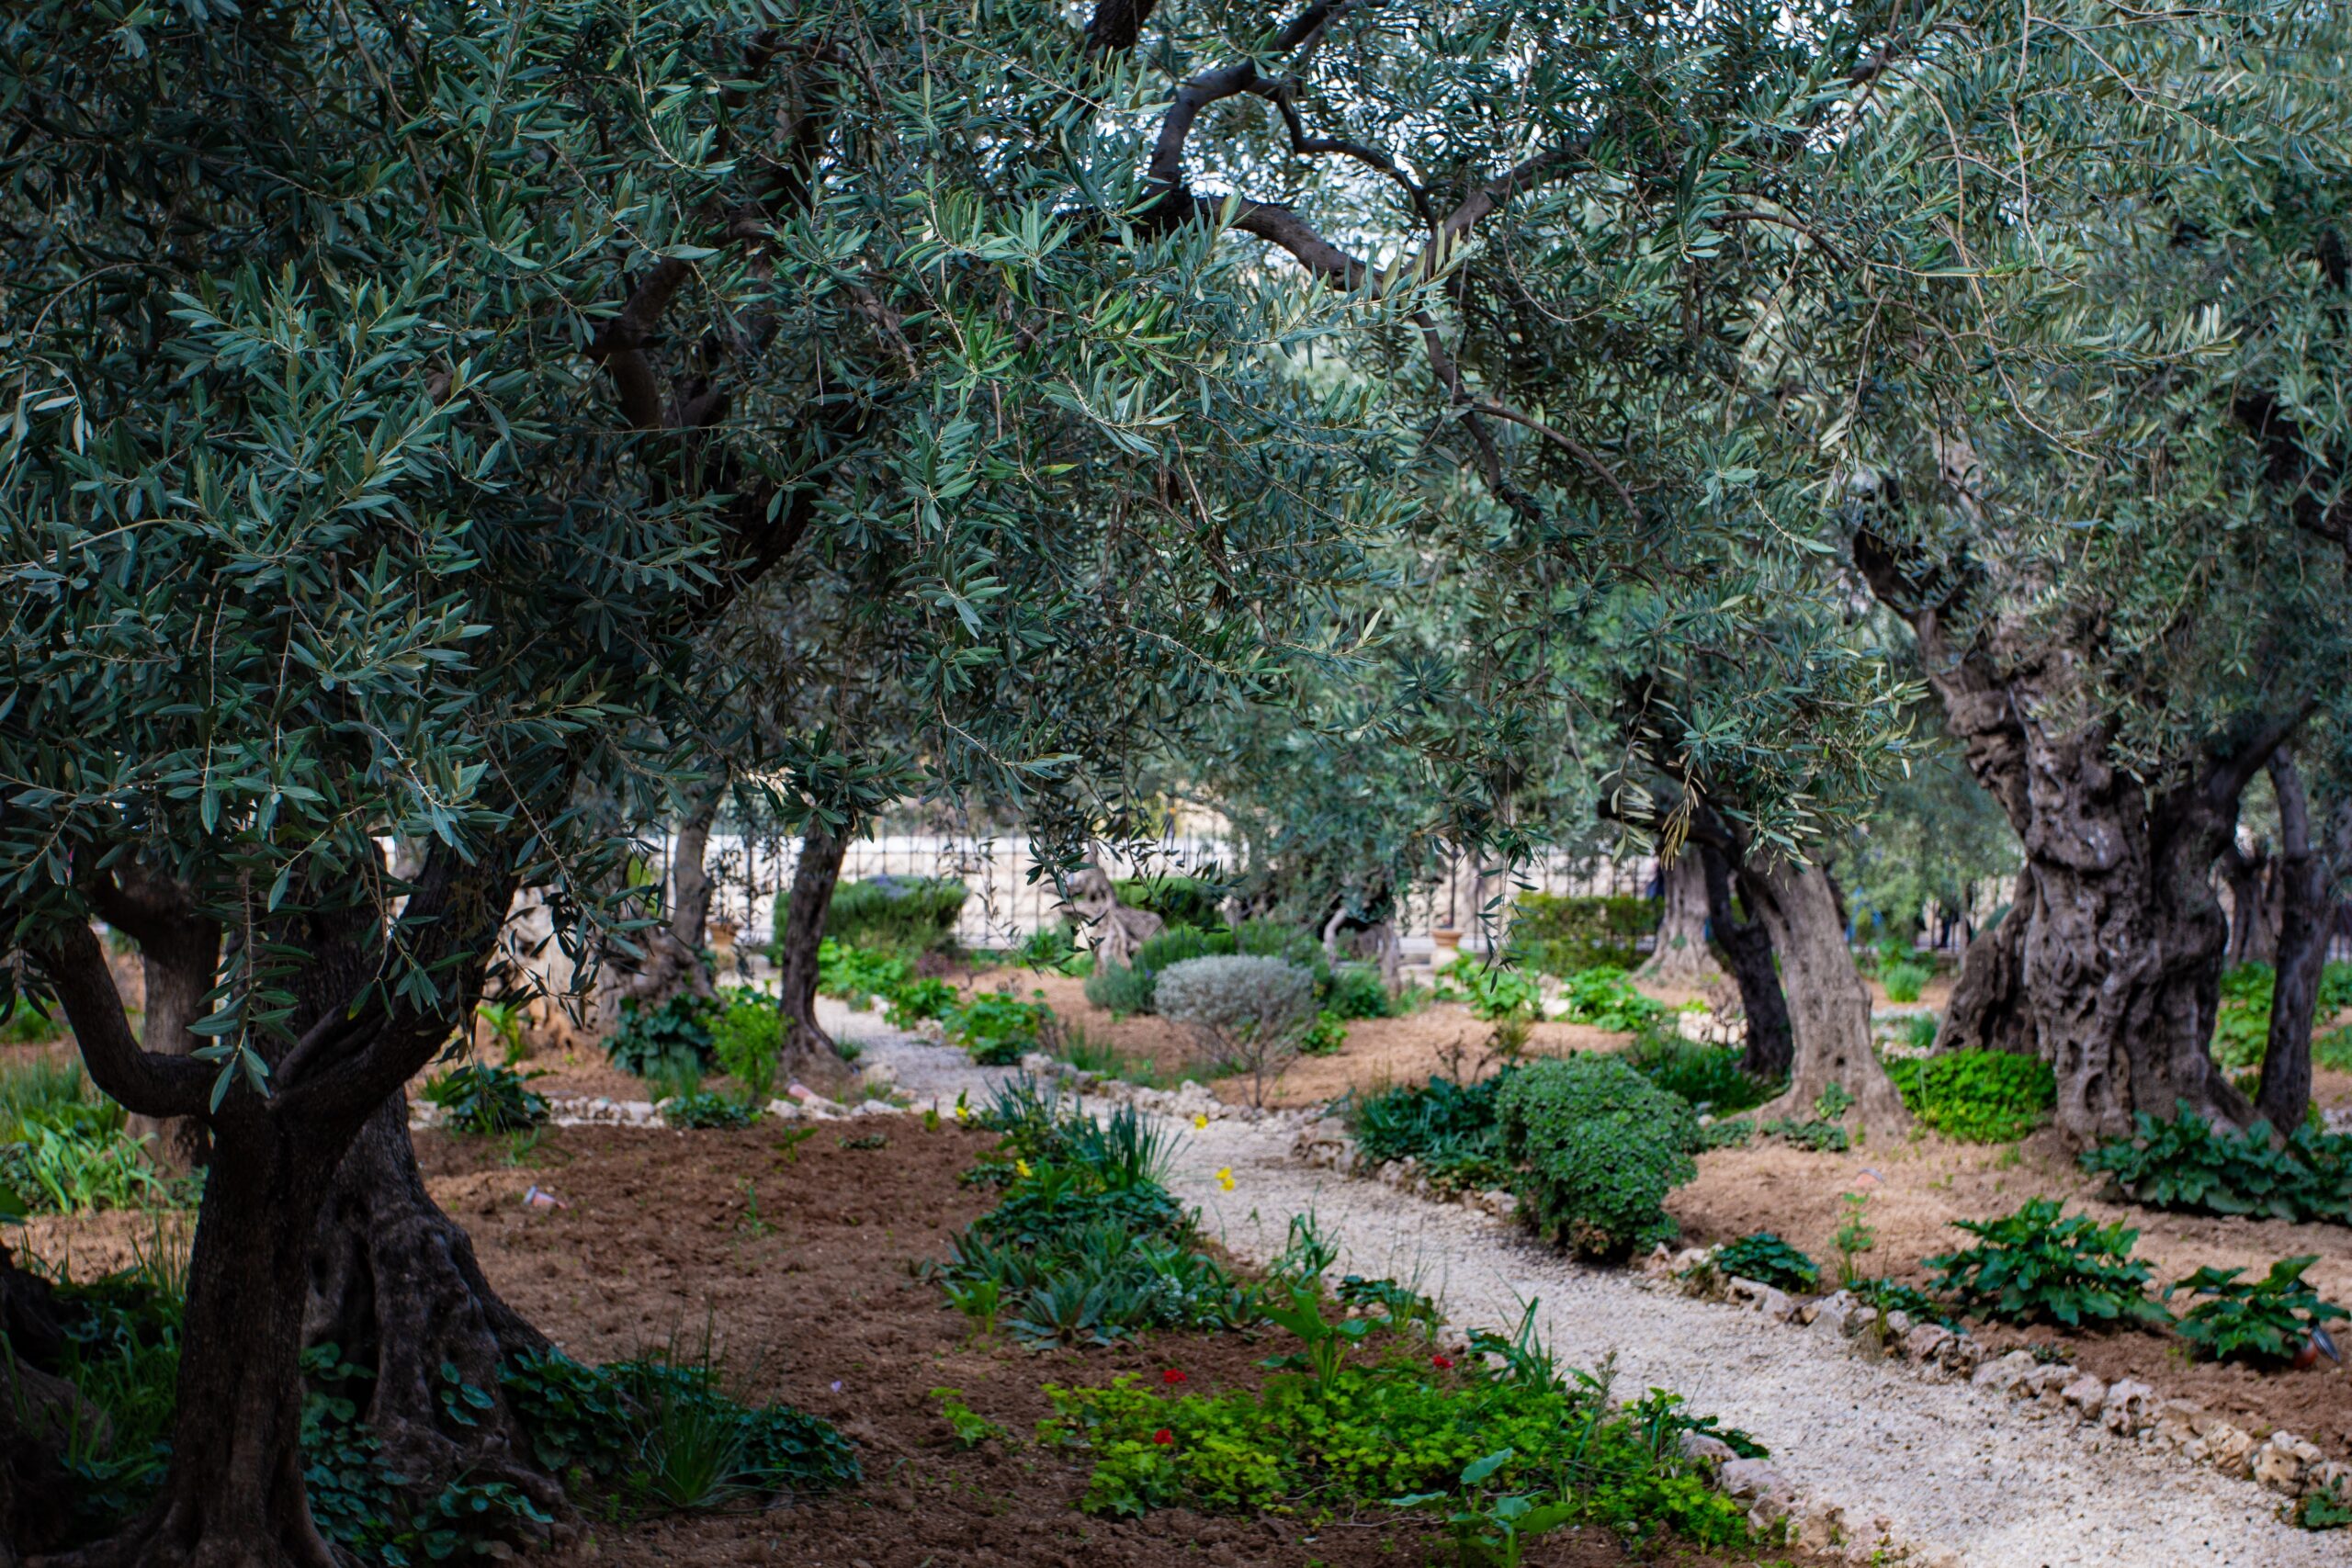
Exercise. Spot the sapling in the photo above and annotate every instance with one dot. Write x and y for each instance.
(1853, 1237)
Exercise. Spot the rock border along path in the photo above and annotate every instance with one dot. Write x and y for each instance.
(1953, 1473)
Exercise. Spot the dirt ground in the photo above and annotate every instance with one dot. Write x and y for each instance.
(799, 1262)
(1917, 1188)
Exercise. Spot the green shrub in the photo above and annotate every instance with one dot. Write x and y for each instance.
(1602, 1146)
(1179, 900)
(1904, 982)
(2032, 1265)
(1053, 950)
(1605, 998)
(1325, 1035)
(672, 1037)
(1355, 991)
(1709, 1076)
(2189, 1163)
(1119, 990)
(914, 1001)
(704, 1109)
(1247, 1014)
(2333, 1050)
(1125, 988)
(1919, 1031)
(2265, 1321)
(1449, 1127)
(1564, 935)
(1977, 1097)
(747, 1040)
(28, 1026)
(485, 1100)
(1508, 1453)
(914, 913)
(1817, 1136)
(997, 1027)
(1767, 1259)
(66, 1150)
(858, 976)
(2242, 1026)
(1493, 991)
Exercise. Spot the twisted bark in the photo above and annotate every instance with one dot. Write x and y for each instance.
(1989, 1010)
(1681, 957)
(2308, 865)
(1829, 1007)
(813, 880)
(1770, 1045)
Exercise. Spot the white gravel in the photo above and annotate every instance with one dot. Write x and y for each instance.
(1992, 1481)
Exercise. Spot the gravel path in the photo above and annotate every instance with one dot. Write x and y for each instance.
(1976, 1474)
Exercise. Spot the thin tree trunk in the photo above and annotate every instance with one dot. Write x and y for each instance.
(394, 1286)
(2248, 877)
(813, 879)
(1829, 1008)
(180, 956)
(2305, 873)
(1681, 957)
(690, 883)
(1989, 1010)
(1770, 1046)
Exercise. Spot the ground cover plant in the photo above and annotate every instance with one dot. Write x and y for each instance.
(1977, 1097)
(1605, 998)
(1247, 1014)
(2265, 1321)
(1709, 1076)
(2033, 1266)
(64, 1147)
(1766, 1258)
(2189, 1163)
(1452, 1128)
(1599, 1146)
(997, 1027)
(475, 1099)
(672, 1037)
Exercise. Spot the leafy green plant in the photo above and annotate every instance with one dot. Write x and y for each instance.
(1904, 981)
(748, 1041)
(1977, 1097)
(1853, 1237)
(1179, 900)
(1562, 935)
(859, 975)
(1451, 1128)
(2324, 1508)
(909, 913)
(1120, 990)
(1355, 991)
(706, 1110)
(2241, 1024)
(1493, 991)
(1053, 950)
(1324, 1036)
(971, 1428)
(650, 1040)
(504, 1020)
(1709, 1076)
(1105, 1058)
(2189, 1163)
(1492, 1531)
(2333, 1050)
(914, 1001)
(485, 1100)
(67, 1150)
(1605, 998)
(1602, 1146)
(28, 1025)
(2033, 1266)
(997, 1027)
(1894, 1295)
(1767, 1259)
(1821, 1137)
(2265, 1320)
(1919, 1031)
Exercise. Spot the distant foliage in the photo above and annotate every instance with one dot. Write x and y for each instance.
(2242, 1026)
(1325, 1036)
(1977, 1097)
(1605, 998)
(2189, 1163)
(1709, 1076)
(1128, 989)
(2033, 1266)
(64, 1149)
(1602, 1146)
(2262, 1321)
(1179, 900)
(1767, 1259)
(485, 1100)
(913, 914)
(997, 1027)
(1904, 982)
(1564, 935)
(1492, 991)
(1451, 1128)
(672, 1038)
(1249, 1015)
(919, 1002)
(747, 1040)
(1355, 991)
(860, 976)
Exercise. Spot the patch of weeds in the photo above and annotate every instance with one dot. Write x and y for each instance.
(485, 1100)
(1853, 1237)
(2324, 1508)
(1451, 1128)
(2265, 1321)
(971, 1428)
(2032, 1265)
(1977, 1097)
(1767, 1259)
(704, 1109)
(1820, 1137)
(2189, 1163)
(67, 1151)
(998, 1028)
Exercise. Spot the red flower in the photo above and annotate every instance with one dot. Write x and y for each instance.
(1443, 1363)
(1163, 1437)
(1172, 1375)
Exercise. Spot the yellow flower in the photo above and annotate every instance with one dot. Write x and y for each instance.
(1201, 1122)
(960, 1112)
(1021, 1168)
(1225, 1176)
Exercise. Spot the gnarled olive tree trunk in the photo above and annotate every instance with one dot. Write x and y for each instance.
(2308, 866)
(1989, 1010)
(1681, 957)
(1829, 1007)
(813, 880)
(179, 954)
(1770, 1047)
(2255, 903)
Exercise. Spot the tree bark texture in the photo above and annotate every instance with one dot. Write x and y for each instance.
(38, 1413)
(179, 953)
(813, 880)
(1770, 1046)
(2251, 878)
(1989, 1010)
(1829, 1007)
(1681, 957)
(2306, 873)
(2122, 950)
(690, 883)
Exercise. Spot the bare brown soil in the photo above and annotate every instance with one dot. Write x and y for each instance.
(1917, 1188)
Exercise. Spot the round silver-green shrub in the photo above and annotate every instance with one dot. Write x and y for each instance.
(1248, 1014)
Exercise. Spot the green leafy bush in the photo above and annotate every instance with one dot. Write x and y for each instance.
(997, 1027)
(2242, 1026)
(1601, 1146)
(860, 975)
(1179, 900)
(913, 913)
(1120, 990)
(2189, 1163)
(485, 1100)
(1325, 1035)
(1564, 935)
(1053, 950)
(747, 1040)
(1493, 991)
(1451, 1128)
(1355, 991)
(671, 1038)
(1127, 988)
(704, 1109)
(1509, 1451)
(914, 1001)
(1709, 1076)
(2266, 1320)
(1977, 1097)
(64, 1147)
(1605, 998)
(1767, 1259)
(2032, 1265)
(1904, 982)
